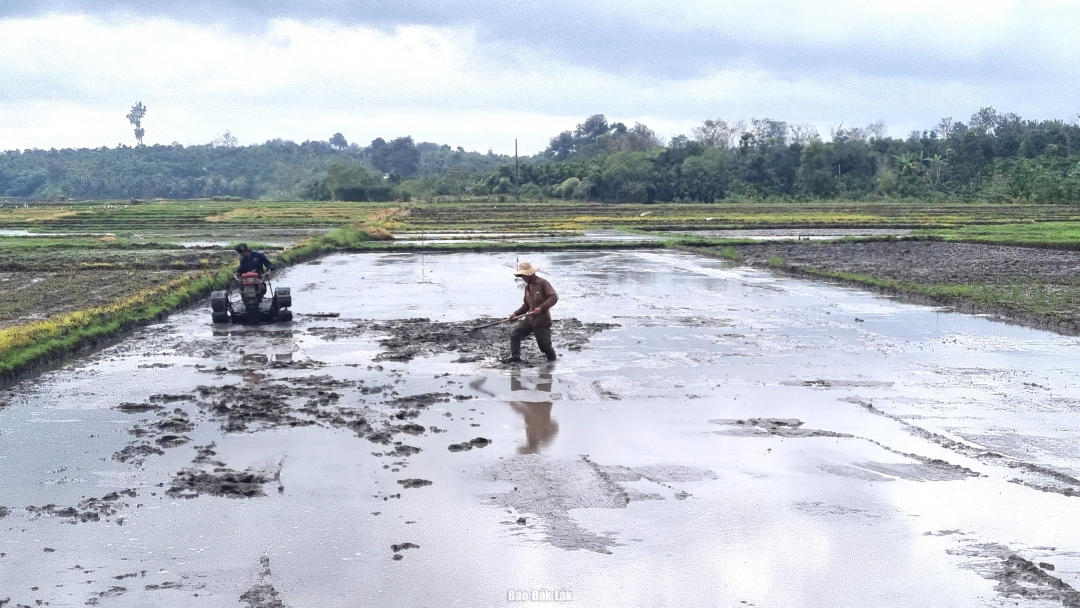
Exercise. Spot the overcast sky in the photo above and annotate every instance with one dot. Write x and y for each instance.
(480, 73)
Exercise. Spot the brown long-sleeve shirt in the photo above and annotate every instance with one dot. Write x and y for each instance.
(538, 295)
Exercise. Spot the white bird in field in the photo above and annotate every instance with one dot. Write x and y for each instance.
(646, 213)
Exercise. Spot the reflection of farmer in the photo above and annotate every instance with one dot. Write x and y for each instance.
(540, 429)
(539, 297)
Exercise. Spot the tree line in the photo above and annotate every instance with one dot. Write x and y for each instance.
(277, 169)
(992, 156)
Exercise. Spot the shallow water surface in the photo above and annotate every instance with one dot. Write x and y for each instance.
(734, 439)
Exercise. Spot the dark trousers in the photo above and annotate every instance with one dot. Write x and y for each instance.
(543, 339)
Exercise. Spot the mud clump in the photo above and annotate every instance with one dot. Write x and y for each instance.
(479, 442)
(401, 449)
(407, 339)
(421, 401)
(3, 512)
(165, 433)
(205, 454)
(175, 423)
(1018, 577)
(137, 453)
(412, 429)
(771, 427)
(114, 591)
(163, 586)
(410, 484)
(172, 441)
(137, 408)
(397, 549)
(165, 398)
(89, 510)
(291, 402)
(222, 482)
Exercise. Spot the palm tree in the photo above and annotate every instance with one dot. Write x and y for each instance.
(935, 166)
(909, 162)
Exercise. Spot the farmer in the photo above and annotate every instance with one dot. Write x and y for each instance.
(253, 261)
(539, 297)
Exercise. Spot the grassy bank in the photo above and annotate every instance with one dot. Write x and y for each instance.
(1053, 235)
(26, 346)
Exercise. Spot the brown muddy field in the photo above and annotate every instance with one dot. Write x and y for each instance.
(926, 261)
(710, 435)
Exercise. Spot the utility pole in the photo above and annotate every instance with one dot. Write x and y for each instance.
(517, 180)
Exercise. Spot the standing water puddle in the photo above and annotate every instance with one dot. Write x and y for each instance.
(717, 436)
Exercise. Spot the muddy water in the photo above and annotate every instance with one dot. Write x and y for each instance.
(718, 437)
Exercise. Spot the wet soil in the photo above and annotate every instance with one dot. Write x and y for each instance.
(88, 510)
(775, 427)
(407, 339)
(1018, 577)
(1025, 285)
(550, 489)
(1029, 474)
(221, 481)
(925, 261)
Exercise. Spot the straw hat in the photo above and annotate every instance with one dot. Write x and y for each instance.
(526, 269)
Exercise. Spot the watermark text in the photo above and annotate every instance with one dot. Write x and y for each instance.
(539, 595)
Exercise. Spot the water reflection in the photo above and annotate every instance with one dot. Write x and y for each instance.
(252, 376)
(540, 429)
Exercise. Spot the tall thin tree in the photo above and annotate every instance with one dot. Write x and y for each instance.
(138, 111)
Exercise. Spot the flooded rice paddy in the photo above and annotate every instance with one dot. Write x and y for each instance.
(795, 234)
(553, 236)
(709, 436)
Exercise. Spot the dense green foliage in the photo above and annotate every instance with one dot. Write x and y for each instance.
(992, 157)
(277, 169)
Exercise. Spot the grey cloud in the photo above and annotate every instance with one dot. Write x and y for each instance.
(584, 35)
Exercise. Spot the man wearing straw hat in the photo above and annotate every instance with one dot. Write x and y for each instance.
(540, 296)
